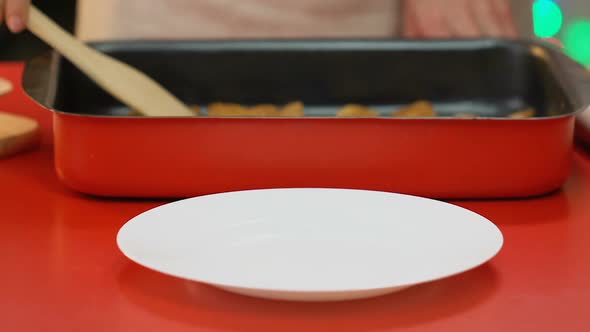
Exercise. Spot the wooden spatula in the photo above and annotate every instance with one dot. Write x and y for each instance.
(124, 82)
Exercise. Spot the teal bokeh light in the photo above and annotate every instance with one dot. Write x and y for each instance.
(548, 18)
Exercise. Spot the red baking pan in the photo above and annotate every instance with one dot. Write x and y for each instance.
(102, 149)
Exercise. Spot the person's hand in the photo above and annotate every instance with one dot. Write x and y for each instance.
(458, 19)
(15, 14)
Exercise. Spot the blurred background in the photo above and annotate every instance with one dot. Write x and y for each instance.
(566, 21)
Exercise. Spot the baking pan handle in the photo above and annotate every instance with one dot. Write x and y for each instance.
(578, 78)
(37, 80)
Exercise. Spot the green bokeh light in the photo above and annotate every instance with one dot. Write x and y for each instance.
(548, 18)
(576, 40)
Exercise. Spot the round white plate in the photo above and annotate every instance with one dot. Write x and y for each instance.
(310, 244)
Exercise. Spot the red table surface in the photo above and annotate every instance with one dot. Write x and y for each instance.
(61, 269)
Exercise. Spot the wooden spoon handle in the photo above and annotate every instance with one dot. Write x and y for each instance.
(129, 85)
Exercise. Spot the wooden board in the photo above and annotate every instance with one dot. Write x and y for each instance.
(17, 134)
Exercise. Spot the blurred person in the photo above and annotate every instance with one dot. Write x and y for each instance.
(202, 19)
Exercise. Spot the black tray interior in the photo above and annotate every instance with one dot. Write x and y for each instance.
(491, 78)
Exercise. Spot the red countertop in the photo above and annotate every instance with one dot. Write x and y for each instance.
(61, 269)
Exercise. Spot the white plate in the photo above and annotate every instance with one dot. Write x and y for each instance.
(310, 244)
